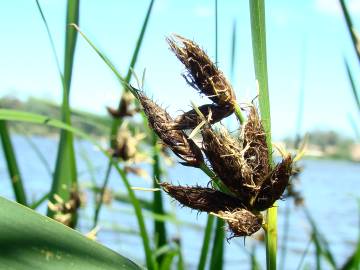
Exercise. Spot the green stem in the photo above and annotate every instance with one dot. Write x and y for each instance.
(102, 192)
(206, 242)
(238, 114)
(258, 34)
(217, 255)
(351, 28)
(150, 261)
(12, 164)
(210, 219)
(159, 225)
(271, 237)
(285, 235)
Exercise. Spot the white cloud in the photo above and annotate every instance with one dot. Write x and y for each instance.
(332, 7)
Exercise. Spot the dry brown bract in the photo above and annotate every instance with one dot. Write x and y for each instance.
(190, 119)
(241, 163)
(243, 166)
(202, 74)
(161, 122)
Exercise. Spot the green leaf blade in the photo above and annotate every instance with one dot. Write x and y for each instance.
(32, 241)
(65, 178)
(13, 168)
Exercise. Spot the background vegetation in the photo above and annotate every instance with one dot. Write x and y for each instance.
(132, 157)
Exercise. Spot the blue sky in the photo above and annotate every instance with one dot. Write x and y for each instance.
(306, 41)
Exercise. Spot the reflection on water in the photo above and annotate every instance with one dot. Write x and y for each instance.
(330, 189)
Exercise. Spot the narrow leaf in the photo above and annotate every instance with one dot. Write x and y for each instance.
(65, 169)
(13, 169)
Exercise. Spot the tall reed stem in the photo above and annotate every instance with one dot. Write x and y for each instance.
(257, 15)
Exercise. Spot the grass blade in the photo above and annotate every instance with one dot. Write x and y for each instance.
(13, 169)
(304, 254)
(352, 84)
(40, 119)
(116, 122)
(158, 208)
(217, 255)
(99, 203)
(52, 44)
(37, 203)
(38, 153)
(32, 241)
(65, 168)
(258, 33)
(124, 81)
(321, 244)
(354, 260)
(206, 242)
(257, 11)
(350, 26)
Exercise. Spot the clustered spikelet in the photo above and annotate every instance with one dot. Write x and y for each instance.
(242, 222)
(251, 184)
(124, 107)
(160, 121)
(190, 119)
(65, 210)
(202, 199)
(202, 74)
(223, 153)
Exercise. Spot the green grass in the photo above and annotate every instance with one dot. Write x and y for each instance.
(158, 207)
(32, 241)
(12, 164)
(65, 175)
(258, 33)
(39, 119)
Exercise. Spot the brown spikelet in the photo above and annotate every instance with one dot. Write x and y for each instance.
(274, 185)
(203, 75)
(160, 121)
(190, 119)
(124, 108)
(255, 153)
(242, 222)
(223, 153)
(202, 199)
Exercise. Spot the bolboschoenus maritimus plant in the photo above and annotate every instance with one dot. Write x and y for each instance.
(245, 181)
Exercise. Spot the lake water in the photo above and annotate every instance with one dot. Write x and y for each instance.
(330, 188)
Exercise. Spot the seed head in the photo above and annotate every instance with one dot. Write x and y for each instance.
(124, 108)
(274, 185)
(242, 222)
(202, 199)
(161, 122)
(203, 75)
(255, 153)
(212, 112)
(223, 153)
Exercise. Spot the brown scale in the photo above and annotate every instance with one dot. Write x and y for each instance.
(203, 74)
(241, 222)
(256, 166)
(202, 199)
(160, 121)
(223, 153)
(212, 112)
(275, 185)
